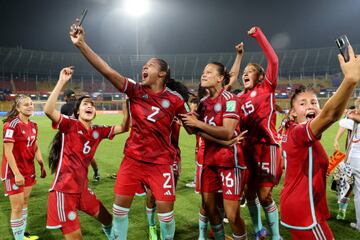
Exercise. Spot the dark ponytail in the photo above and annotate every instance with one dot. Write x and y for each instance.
(54, 153)
(222, 72)
(171, 83)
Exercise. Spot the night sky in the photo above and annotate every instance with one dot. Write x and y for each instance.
(178, 26)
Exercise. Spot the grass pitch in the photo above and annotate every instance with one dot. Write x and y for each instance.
(109, 156)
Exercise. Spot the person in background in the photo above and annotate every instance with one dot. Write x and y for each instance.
(20, 148)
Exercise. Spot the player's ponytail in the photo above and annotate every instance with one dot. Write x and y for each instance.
(223, 72)
(13, 111)
(171, 83)
(54, 153)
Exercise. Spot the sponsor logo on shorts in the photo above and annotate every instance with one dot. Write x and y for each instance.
(71, 215)
(167, 193)
(15, 187)
(228, 192)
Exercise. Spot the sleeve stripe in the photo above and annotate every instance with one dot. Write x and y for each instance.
(111, 132)
(126, 84)
(308, 132)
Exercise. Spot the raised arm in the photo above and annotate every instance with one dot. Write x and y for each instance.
(335, 106)
(77, 37)
(339, 134)
(272, 59)
(49, 108)
(125, 125)
(235, 69)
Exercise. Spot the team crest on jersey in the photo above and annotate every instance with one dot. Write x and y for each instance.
(34, 130)
(217, 107)
(71, 215)
(165, 103)
(95, 134)
(253, 94)
(145, 96)
(23, 132)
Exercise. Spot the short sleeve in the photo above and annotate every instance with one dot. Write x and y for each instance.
(130, 87)
(232, 109)
(106, 132)
(303, 135)
(9, 134)
(347, 123)
(64, 124)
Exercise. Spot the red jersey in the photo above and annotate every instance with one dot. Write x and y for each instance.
(258, 104)
(213, 112)
(152, 115)
(24, 136)
(78, 148)
(303, 197)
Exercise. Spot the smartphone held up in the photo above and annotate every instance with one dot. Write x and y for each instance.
(343, 44)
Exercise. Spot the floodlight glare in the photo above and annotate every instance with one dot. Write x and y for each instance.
(136, 8)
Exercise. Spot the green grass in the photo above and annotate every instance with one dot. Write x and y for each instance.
(109, 156)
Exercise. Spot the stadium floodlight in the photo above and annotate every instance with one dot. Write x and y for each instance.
(136, 8)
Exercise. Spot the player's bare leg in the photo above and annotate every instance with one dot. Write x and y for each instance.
(75, 235)
(232, 210)
(105, 218)
(211, 208)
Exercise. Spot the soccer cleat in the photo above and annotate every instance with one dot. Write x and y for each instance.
(152, 233)
(211, 234)
(190, 184)
(27, 236)
(225, 220)
(355, 226)
(261, 235)
(341, 214)
(243, 202)
(96, 177)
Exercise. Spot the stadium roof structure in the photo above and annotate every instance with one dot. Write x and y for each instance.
(183, 66)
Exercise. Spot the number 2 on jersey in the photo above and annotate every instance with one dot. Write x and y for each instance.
(156, 111)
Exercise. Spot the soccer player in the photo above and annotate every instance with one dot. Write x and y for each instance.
(262, 143)
(148, 151)
(353, 118)
(344, 201)
(224, 167)
(20, 147)
(70, 157)
(68, 110)
(303, 199)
